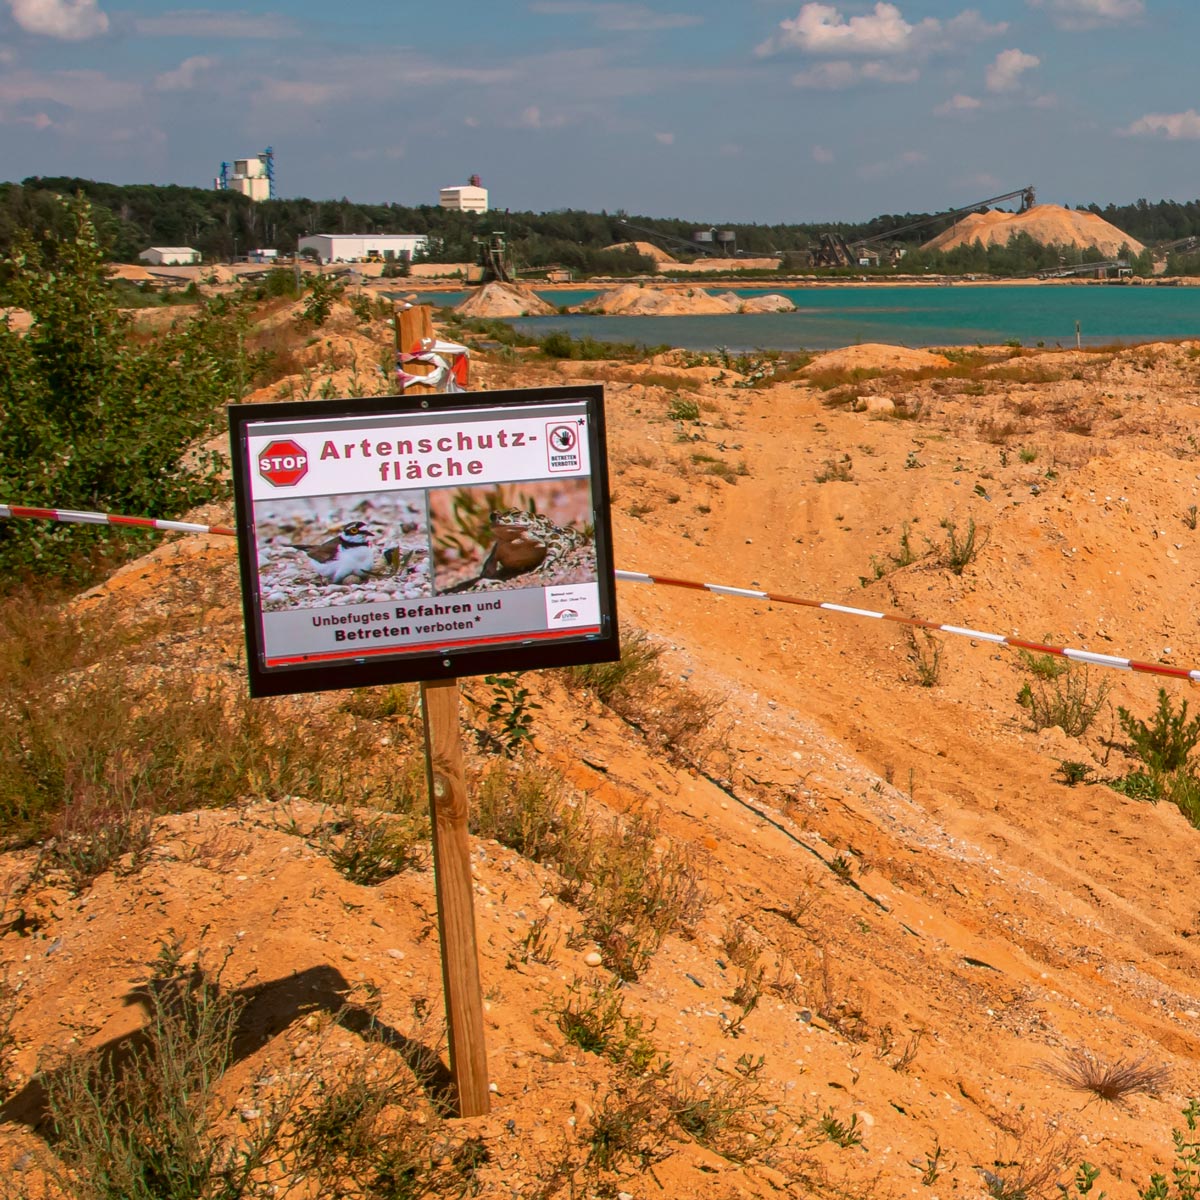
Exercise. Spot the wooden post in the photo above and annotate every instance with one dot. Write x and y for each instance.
(455, 898)
(413, 325)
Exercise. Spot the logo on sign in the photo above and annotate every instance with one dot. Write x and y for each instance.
(562, 447)
(283, 463)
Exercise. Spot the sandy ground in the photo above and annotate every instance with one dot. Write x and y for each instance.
(937, 915)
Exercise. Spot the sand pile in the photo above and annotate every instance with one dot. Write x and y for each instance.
(635, 301)
(130, 271)
(646, 248)
(1045, 223)
(505, 300)
(875, 356)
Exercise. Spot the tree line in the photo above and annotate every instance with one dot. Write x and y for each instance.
(226, 225)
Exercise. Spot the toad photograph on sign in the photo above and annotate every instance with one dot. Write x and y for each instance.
(536, 534)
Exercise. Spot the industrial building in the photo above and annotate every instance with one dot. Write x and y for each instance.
(253, 177)
(361, 247)
(471, 198)
(170, 256)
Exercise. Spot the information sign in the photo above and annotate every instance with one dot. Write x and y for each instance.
(395, 538)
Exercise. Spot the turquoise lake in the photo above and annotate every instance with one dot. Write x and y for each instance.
(950, 315)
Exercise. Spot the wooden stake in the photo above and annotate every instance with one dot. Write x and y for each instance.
(455, 898)
(413, 326)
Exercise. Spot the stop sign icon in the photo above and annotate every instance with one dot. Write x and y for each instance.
(283, 463)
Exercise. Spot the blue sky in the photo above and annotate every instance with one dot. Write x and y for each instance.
(752, 111)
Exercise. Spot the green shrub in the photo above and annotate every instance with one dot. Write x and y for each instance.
(1167, 743)
(959, 552)
(592, 1016)
(1069, 701)
(94, 418)
(683, 410)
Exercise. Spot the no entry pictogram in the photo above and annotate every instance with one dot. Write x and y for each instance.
(562, 447)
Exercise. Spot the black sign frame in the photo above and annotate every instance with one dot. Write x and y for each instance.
(521, 652)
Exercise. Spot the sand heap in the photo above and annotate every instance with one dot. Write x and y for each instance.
(635, 301)
(644, 248)
(1045, 223)
(875, 356)
(505, 300)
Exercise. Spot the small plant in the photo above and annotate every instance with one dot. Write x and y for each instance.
(683, 409)
(1137, 785)
(1071, 702)
(510, 713)
(1167, 743)
(627, 1134)
(1027, 454)
(1072, 773)
(839, 470)
(537, 945)
(961, 552)
(1185, 1175)
(925, 653)
(593, 1017)
(1044, 666)
(146, 1131)
(1191, 515)
(1108, 1079)
(931, 1168)
(724, 1115)
(371, 849)
(841, 866)
(841, 1133)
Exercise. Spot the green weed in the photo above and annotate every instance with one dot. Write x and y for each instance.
(1166, 744)
(1070, 701)
(592, 1016)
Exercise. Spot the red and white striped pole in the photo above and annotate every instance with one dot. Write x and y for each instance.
(996, 639)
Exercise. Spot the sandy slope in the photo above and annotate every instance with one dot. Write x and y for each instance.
(997, 917)
(1045, 223)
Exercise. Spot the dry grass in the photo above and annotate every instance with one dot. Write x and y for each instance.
(1108, 1079)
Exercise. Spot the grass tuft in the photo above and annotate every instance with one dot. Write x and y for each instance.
(1108, 1079)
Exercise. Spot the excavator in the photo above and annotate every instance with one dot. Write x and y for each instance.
(832, 250)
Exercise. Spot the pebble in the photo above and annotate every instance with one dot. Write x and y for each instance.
(593, 958)
(395, 954)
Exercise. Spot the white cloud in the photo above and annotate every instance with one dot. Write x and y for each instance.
(822, 154)
(1004, 74)
(822, 29)
(200, 22)
(183, 77)
(301, 93)
(957, 104)
(533, 118)
(618, 18)
(666, 139)
(1172, 126)
(85, 91)
(890, 166)
(70, 20)
(1090, 14)
(832, 76)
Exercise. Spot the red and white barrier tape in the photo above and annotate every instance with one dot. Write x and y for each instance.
(996, 639)
(70, 516)
(446, 376)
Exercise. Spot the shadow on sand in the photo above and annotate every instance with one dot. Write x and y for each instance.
(265, 1010)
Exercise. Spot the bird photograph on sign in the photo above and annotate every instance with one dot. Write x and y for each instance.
(322, 551)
